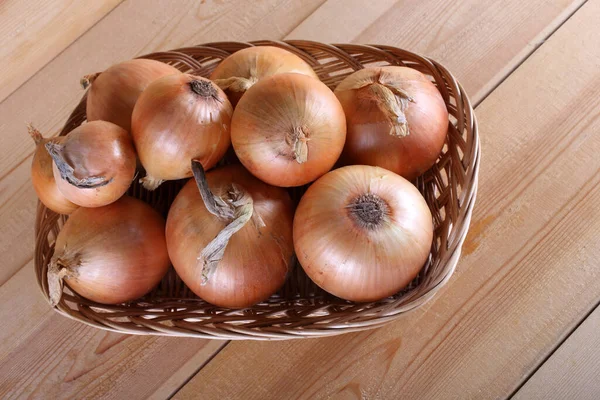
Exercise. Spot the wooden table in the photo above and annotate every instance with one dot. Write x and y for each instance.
(519, 317)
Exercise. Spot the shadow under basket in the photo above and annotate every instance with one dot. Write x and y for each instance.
(300, 309)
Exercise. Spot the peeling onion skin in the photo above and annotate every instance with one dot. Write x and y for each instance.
(288, 129)
(256, 260)
(97, 149)
(369, 141)
(112, 254)
(114, 92)
(42, 177)
(173, 124)
(349, 258)
(247, 66)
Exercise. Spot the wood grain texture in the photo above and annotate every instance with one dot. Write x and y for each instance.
(34, 32)
(479, 41)
(49, 96)
(573, 370)
(529, 272)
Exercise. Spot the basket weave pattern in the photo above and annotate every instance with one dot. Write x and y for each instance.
(300, 309)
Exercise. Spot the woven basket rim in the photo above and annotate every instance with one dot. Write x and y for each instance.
(455, 178)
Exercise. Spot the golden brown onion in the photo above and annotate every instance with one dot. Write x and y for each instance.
(288, 129)
(113, 93)
(42, 176)
(396, 119)
(238, 72)
(362, 233)
(111, 254)
(94, 164)
(229, 236)
(176, 119)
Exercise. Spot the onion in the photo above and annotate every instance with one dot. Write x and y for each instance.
(42, 177)
(288, 129)
(362, 233)
(396, 119)
(110, 254)
(113, 93)
(94, 164)
(179, 118)
(231, 244)
(238, 72)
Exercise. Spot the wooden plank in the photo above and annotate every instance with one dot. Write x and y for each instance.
(573, 370)
(54, 357)
(479, 41)
(43, 354)
(144, 28)
(528, 273)
(33, 33)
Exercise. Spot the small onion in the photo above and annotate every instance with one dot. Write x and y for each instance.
(42, 176)
(396, 117)
(362, 233)
(176, 119)
(238, 72)
(113, 93)
(94, 164)
(229, 236)
(110, 254)
(288, 129)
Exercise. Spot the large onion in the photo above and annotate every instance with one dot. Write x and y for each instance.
(113, 93)
(229, 236)
(176, 119)
(396, 119)
(110, 254)
(238, 72)
(94, 164)
(362, 233)
(288, 129)
(42, 176)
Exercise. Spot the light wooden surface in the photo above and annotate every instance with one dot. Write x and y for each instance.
(33, 33)
(529, 272)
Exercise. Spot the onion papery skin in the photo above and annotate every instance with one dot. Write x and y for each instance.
(372, 139)
(98, 151)
(42, 177)
(256, 259)
(238, 72)
(176, 119)
(350, 258)
(288, 130)
(111, 254)
(114, 92)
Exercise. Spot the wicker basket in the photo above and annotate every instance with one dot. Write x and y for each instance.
(300, 309)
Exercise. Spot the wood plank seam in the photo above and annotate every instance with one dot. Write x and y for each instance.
(533, 50)
(8, 94)
(208, 359)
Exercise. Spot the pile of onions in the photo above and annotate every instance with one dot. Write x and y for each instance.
(110, 254)
(229, 236)
(288, 129)
(238, 72)
(94, 164)
(176, 119)
(113, 93)
(42, 176)
(362, 233)
(396, 119)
